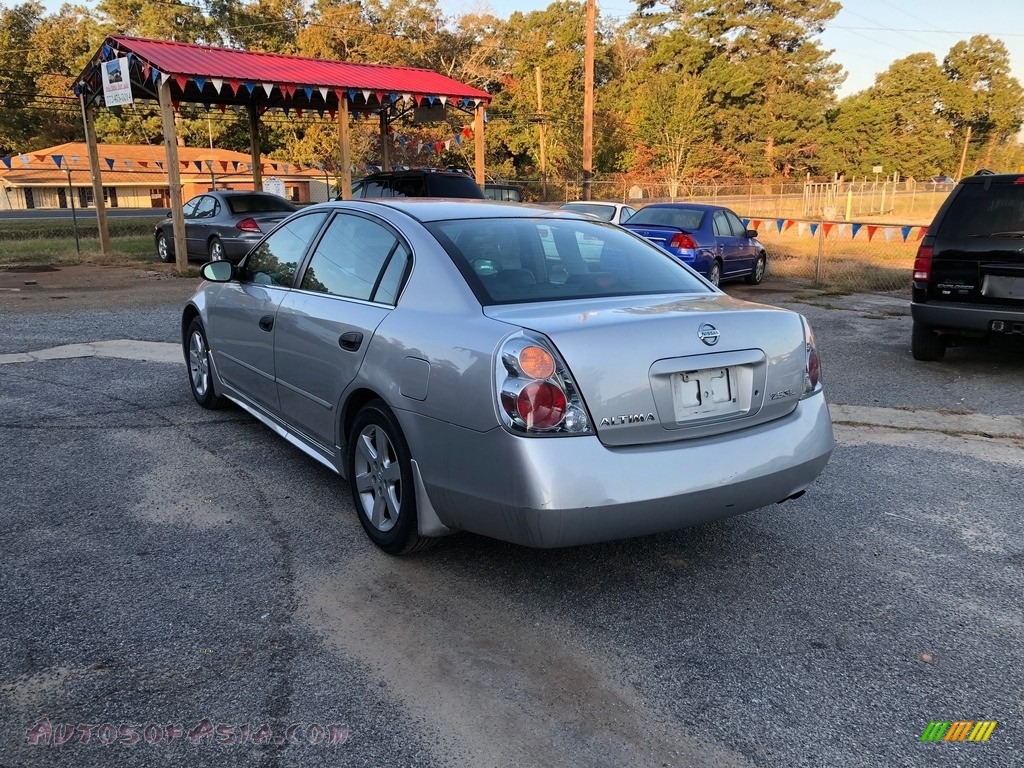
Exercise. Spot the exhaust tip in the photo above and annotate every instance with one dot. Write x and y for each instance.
(796, 495)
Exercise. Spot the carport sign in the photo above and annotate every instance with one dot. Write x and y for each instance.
(117, 84)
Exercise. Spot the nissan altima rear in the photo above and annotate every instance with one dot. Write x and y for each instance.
(537, 377)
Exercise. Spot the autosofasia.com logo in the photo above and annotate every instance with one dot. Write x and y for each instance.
(958, 730)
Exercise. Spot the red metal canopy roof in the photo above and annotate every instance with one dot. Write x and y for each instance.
(208, 63)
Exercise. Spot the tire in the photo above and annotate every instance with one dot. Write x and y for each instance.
(760, 267)
(217, 252)
(200, 372)
(925, 344)
(163, 248)
(715, 273)
(380, 475)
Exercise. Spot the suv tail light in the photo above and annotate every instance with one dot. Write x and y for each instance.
(248, 225)
(681, 240)
(812, 363)
(923, 263)
(536, 394)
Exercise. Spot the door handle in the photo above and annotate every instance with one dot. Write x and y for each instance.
(267, 322)
(350, 340)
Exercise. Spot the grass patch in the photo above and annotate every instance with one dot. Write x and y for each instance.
(60, 251)
(846, 265)
(43, 229)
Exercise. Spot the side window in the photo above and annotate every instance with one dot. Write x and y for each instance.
(376, 189)
(189, 209)
(357, 258)
(738, 229)
(626, 213)
(410, 187)
(205, 208)
(722, 225)
(275, 259)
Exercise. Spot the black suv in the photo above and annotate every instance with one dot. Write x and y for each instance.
(969, 270)
(425, 182)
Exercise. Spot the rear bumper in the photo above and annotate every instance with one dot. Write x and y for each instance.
(951, 316)
(557, 492)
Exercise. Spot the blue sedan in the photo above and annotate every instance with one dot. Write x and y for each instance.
(709, 238)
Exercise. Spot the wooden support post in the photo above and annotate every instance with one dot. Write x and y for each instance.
(385, 145)
(345, 151)
(541, 126)
(173, 175)
(478, 141)
(89, 118)
(254, 147)
(588, 101)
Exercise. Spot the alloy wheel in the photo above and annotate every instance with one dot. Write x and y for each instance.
(378, 477)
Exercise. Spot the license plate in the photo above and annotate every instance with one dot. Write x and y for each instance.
(708, 392)
(1003, 287)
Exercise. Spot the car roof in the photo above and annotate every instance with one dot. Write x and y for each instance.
(590, 202)
(241, 192)
(689, 206)
(414, 172)
(427, 209)
(988, 178)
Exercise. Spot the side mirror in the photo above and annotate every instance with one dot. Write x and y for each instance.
(217, 271)
(751, 233)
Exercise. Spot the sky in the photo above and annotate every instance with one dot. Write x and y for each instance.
(867, 35)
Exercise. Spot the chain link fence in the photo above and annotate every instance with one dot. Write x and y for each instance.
(840, 256)
(803, 226)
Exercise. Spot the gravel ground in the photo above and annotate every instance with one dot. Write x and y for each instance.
(162, 564)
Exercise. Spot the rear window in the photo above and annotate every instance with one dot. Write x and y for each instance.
(259, 204)
(509, 261)
(453, 186)
(980, 212)
(684, 218)
(603, 212)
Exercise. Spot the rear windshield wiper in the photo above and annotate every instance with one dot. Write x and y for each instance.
(1001, 234)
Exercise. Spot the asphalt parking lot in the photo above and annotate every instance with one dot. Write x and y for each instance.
(170, 569)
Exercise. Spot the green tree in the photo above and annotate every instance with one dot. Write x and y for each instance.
(159, 19)
(18, 121)
(982, 95)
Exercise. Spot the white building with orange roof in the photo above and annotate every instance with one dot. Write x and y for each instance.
(135, 176)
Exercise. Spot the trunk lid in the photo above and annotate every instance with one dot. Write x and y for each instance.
(660, 235)
(660, 368)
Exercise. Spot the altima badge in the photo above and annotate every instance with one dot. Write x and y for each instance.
(708, 334)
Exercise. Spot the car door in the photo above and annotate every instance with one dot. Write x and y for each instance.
(197, 226)
(726, 245)
(348, 287)
(746, 248)
(244, 316)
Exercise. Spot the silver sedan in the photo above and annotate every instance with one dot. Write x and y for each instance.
(526, 374)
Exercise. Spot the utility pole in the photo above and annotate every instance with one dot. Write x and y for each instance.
(541, 129)
(588, 101)
(963, 155)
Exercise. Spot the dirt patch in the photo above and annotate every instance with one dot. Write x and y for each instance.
(497, 685)
(92, 286)
(29, 268)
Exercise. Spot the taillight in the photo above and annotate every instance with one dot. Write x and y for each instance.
(248, 225)
(681, 240)
(923, 263)
(536, 394)
(812, 363)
